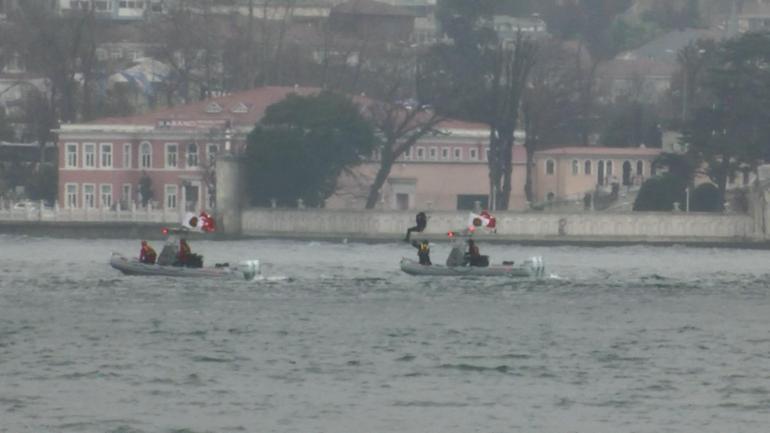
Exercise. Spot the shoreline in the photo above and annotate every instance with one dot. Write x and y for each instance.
(153, 231)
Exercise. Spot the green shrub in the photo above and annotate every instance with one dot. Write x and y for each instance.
(706, 198)
(659, 194)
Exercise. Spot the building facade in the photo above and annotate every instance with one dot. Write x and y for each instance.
(114, 9)
(570, 172)
(445, 171)
(162, 159)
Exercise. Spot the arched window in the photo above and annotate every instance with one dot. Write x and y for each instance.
(587, 167)
(609, 168)
(575, 167)
(146, 153)
(640, 168)
(549, 167)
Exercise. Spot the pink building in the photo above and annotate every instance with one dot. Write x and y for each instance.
(570, 172)
(101, 163)
(444, 171)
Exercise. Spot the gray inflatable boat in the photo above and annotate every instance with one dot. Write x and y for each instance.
(533, 267)
(247, 270)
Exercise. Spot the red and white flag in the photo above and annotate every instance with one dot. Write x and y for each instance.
(484, 220)
(199, 223)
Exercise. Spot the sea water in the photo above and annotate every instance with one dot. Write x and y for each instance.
(625, 339)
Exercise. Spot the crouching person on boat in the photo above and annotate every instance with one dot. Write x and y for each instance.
(474, 257)
(423, 252)
(186, 257)
(147, 254)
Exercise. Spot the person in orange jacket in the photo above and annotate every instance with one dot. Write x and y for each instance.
(147, 254)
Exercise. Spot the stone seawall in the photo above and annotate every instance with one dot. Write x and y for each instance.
(545, 227)
(86, 230)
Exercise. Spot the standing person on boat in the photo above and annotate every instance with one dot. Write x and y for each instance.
(423, 252)
(147, 254)
(422, 222)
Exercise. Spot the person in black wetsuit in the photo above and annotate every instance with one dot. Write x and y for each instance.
(423, 252)
(422, 222)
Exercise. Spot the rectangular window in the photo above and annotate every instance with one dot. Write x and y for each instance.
(146, 151)
(609, 168)
(106, 155)
(575, 167)
(408, 154)
(89, 155)
(89, 201)
(71, 199)
(420, 153)
(211, 152)
(171, 196)
(550, 167)
(470, 201)
(474, 155)
(587, 167)
(72, 155)
(171, 153)
(458, 153)
(126, 155)
(445, 153)
(433, 153)
(106, 196)
(192, 155)
(126, 195)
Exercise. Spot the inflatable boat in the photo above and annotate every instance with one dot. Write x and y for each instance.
(247, 270)
(533, 267)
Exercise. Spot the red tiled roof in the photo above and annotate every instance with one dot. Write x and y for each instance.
(600, 151)
(256, 100)
(369, 7)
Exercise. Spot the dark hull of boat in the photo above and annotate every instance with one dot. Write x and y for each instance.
(247, 271)
(530, 268)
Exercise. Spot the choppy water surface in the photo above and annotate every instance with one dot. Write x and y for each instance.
(633, 339)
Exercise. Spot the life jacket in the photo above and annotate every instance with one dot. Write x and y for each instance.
(184, 251)
(148, 254)
(151, 254)
(424, 248)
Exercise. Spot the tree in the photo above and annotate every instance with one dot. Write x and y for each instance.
(301, 147)
(706, 198)
(550, 105)
(631, 124)
(401, 124)
(488, 77)
(6, 130)
(510, 74)
(659, 193)
(732, 128)
(591, 23)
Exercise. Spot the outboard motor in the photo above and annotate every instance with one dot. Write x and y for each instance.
(250, 269)
(536, 265)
